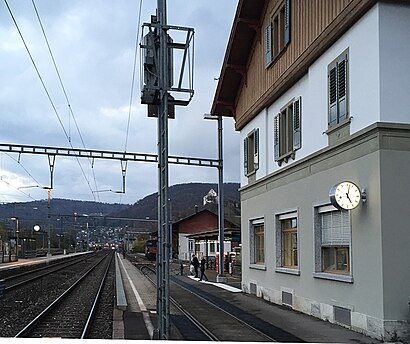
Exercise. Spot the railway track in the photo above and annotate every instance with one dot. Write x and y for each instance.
(200, 315)
(71, 314)
(22, 279)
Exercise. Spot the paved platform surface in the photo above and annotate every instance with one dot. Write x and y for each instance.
(38, 260)
(303, 326)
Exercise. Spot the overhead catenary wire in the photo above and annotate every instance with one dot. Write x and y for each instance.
(65, 92)
(133, 75)
(46, 91)
(19, 162)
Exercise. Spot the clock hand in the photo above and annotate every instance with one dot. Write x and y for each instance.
(347, 193)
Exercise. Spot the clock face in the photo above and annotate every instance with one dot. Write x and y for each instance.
(345, 195)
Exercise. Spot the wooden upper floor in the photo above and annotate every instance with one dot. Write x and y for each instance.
(271, 46)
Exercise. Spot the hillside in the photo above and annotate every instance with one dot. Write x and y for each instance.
(184, 198)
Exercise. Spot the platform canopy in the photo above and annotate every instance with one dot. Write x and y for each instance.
(231, 234)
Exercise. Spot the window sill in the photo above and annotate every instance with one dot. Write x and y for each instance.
(289, 271)
(333, 277)
(285, 158)
(338, 126)
(250, 174)
(257, 267)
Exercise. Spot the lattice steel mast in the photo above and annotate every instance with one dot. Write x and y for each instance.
(161, 96)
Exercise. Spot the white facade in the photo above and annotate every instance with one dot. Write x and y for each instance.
(379, 51)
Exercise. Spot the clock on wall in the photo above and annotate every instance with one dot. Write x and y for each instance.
(345, 195)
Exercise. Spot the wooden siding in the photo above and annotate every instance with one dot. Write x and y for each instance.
(315, 25)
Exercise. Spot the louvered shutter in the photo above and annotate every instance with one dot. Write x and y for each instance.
(297, 125)
(256, 150)
(276, 137)
(245, 156)
(332, 87)
(268, 45)
(342, 87)
(286, 39)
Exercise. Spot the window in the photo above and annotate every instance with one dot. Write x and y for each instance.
(338, 90)
(287, 133)
(212, 247)
(191, 245)
(251, 152)
(287, 256)
(290, 242)
(257, 241)
(277, 33)
(333, 241)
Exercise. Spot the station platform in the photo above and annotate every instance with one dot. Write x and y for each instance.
(139, 319)
(37, 260)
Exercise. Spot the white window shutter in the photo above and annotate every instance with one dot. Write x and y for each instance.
(276, 137)
(297, 123)
(268, 45)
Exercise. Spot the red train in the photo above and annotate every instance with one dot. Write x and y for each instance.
(151, 249)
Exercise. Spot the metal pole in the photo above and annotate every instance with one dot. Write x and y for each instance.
(17, 238)
(163, 208)
(221, 277)
(49, 241)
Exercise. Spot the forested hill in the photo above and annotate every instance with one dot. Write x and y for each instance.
(184, 198)
(39, 210)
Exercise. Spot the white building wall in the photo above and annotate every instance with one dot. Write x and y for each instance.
(394, 62)
(378, 85)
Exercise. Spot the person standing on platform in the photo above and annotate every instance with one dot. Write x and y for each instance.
(202, 268)
(195, 263)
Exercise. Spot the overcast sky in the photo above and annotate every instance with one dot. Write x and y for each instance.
(93, 43)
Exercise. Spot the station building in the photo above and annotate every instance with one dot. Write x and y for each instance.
(319, 91)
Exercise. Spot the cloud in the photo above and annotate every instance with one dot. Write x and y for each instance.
(93, 44)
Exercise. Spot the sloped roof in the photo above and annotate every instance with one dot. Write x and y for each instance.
(245, 31)
(230, 221)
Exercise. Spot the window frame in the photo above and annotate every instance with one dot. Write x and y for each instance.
(320, 270)
(254, 260)
(338, 91)
(277, 33)
(280, 218)
(251, 152)
(287, 131)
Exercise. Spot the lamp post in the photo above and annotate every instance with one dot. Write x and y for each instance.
(221, 277)
(17, 235)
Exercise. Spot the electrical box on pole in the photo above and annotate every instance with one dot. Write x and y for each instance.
(180, 67)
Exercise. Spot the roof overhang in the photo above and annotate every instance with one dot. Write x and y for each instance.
(214, 234)
(245, 32)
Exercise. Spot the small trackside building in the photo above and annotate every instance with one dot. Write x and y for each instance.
(319, 91)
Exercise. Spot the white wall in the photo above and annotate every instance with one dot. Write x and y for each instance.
(394, 62)
(379, 51)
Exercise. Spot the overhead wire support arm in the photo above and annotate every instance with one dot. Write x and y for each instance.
(101, 154)
(51, 163)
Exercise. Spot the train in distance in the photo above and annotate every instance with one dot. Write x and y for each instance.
(151, 249)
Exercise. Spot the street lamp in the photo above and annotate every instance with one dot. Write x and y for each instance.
(17, 235)
(221, 277)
